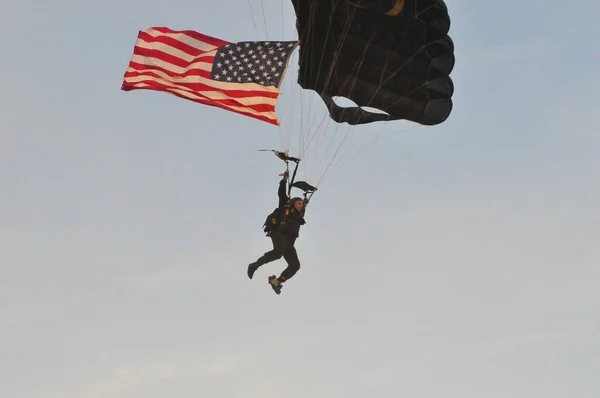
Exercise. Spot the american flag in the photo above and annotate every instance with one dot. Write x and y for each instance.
(241, 77)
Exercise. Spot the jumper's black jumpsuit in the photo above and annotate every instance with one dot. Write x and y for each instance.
(284, 236)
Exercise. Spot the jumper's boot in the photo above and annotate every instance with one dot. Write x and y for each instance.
(252, 269)
(275, 284)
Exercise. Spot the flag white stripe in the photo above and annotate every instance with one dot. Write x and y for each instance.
(182, 37)
(217, 95)
(175, 52)
(153, 61)
(194, 78)
(192, 96)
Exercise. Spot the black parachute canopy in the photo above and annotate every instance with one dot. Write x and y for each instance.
(392, 55)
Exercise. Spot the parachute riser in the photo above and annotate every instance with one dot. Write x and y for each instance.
(291, 182)
(307, 196)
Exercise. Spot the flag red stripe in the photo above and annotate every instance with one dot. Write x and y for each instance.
(206, 102)
(172, 42)
(195, 86)
(213, 41)
(187, 73)
(163, 56)
(230, 102)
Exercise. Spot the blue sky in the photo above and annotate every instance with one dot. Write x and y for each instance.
(458, 260)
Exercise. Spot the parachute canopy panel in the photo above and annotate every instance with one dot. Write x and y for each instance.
(392, 55)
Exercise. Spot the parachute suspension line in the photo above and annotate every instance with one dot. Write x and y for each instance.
(338, 50)
(381, 83)
(329, 171)
(291, 90)
(316, 151)
(358, 65)
(380, 137)
(307, 107)
(329, 73)
(282, 22)
(304, 128)
(406, 95)
(323, 149)
(321, 160)
(284, 137)
(328, 78)
(308, 136)
(335, 38)
(288, 90)
(335, 155)
(311, 36)
(296, 91)
(355, 69)
(306, 144)
(402, 66)
(340, 43)
(262, 6)
(253, 19)
(313, 135)
(308, 133)
(323, 165)
(289, 127)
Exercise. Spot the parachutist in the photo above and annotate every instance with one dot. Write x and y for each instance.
(283, 227)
